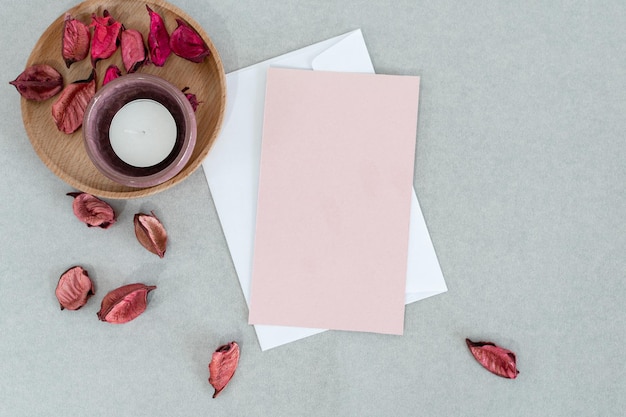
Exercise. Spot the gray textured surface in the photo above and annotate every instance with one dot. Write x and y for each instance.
(520, 171)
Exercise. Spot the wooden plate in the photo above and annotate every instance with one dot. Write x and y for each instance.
(65, 154)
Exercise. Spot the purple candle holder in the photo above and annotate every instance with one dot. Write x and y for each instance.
(109, 100)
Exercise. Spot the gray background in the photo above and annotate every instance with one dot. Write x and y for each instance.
(520, 170)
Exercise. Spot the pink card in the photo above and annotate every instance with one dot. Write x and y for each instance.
(335, 188)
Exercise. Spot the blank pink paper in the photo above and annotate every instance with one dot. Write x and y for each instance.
(335, 188)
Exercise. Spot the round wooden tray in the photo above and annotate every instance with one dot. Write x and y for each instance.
(65, 154)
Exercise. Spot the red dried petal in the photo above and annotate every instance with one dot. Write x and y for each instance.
(76, 38)
(125, 303)
(69, 108)
(187, 43)
(193, 100)
(151, 233)
(223, 366)
(74, 288)
(92, 211)
(495, 359)
(133, 50)
(158, 39)
(38, 82)
(111, 73)
(106, 34)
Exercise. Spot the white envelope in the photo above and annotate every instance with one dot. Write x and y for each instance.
(232, 172)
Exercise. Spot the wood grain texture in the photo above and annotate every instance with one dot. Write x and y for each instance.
(64, 154)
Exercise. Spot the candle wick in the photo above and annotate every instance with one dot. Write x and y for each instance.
(136, 132)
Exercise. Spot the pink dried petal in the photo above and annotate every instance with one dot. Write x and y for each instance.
(38, 82)
(111, 73)
(158, 39)
(187, 43)
(193, 100)
(124, 303)
(76, 38)
(69, 108)
(223, 366)
(106, 34)
(133, 50)
(92, 211)
(495, 359)
(74, 288)
(151, 233)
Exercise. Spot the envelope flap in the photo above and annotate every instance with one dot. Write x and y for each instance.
(349, 55)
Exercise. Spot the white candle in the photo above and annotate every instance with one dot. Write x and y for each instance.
(142, 133)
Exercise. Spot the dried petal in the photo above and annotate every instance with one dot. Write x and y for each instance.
(495, 359)
(74, 288)
(133, 50)
(39, 82)
(223, 366)
(106, 34)
(76, 37)
(158, 39)
(192, 99)
(92, 211)
(151, 233)
(69, 108)
(111, 73)
(187, 43)
(125, 303)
